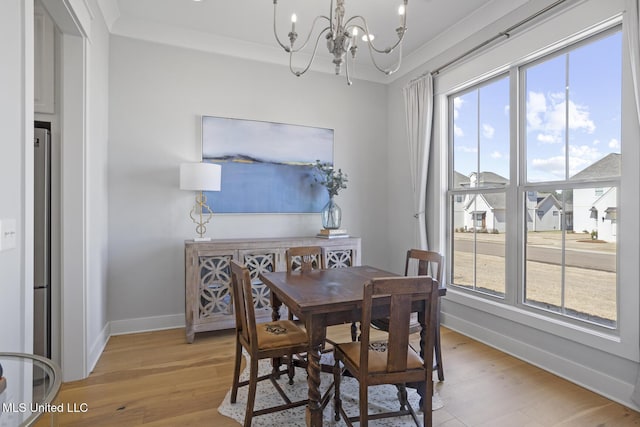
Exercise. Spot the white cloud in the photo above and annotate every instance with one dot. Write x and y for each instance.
(548, 138)
(536, 109)
(548, 114)
(457, 131)
(584, 152)
(553, 166)
(488, 131)
(457, 105)
(596, 142)
(614, 143)
(467, 149)
(496, 155)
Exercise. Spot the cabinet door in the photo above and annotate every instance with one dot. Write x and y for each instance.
(214, 288)
(261, 261)
(340, 256)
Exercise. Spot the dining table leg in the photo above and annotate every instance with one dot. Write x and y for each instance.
(276, 362)
(316, 332)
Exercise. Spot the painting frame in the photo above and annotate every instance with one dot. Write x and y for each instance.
(267, 167)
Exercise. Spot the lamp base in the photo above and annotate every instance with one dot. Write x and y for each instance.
(202, 239)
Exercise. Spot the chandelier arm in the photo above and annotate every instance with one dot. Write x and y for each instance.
(304, 45)
(369, 42)
(275, 33)
(290, 48)
(313, 56)
(387, 71)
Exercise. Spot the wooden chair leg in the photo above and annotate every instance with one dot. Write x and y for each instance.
(402, 396)
(290, 369)
(251, 393)
(337, 402)
(437, 345)
(236, 373)
(364, 407)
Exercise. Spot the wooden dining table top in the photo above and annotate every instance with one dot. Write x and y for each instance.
(322, 291)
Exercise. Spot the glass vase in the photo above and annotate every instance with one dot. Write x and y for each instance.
(331, 215)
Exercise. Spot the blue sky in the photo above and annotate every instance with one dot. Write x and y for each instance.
(592, 74)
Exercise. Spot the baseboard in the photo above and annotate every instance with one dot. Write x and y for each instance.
(584, 376)
(145, 324)
(98, 347)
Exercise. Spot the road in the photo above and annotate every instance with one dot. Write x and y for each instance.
(575, 258)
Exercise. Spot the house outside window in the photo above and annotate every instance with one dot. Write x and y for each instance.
(570, 132)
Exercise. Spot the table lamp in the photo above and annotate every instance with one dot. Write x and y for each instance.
(200, 177)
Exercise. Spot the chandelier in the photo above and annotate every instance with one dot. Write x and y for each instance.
(342, 39)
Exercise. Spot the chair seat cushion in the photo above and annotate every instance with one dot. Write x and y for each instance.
(378, 356)
(283, 333)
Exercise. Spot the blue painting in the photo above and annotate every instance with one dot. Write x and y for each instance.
(266, 167)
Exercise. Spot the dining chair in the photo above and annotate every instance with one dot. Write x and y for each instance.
(393, 361)
(423, 263)
(273, 340)
(304, 258)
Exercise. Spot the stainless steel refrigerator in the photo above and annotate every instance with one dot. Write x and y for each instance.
(42, 243)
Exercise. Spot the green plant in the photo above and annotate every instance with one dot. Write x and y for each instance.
(594, 235)
(333, 180)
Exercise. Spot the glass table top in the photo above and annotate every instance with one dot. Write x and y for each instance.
(28, 386)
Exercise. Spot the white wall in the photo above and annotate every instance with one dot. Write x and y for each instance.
(157, 96)
(601, 369)
(16, 157)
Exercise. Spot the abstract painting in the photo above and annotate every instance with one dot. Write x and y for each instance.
(266, 167)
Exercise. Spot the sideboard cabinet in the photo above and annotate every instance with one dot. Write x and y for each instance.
(208, 304)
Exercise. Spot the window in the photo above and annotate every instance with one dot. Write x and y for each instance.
(480, 132)
(560, 195)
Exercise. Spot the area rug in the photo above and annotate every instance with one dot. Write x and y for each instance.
(381, 399)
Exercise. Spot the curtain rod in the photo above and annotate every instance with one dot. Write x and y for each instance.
(504, 33)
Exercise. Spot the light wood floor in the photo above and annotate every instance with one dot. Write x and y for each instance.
(157, 379)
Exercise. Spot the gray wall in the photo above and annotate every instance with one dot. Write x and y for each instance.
(157, 96)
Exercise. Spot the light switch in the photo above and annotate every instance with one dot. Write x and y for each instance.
(7, 234)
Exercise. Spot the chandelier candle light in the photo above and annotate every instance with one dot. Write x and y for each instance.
(341, 35)
(200, 177)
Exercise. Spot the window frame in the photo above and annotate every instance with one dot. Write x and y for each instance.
(557, 33)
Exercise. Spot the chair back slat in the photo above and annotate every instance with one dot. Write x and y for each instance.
(243, 302)
(304, 258)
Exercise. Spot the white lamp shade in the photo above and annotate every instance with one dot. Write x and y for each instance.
(200, 176)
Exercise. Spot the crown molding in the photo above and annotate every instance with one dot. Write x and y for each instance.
(110, 12)
(189, 39)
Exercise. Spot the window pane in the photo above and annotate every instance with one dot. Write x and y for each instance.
(573, 111)
(481, 135)
(465, 137)
(571, 256)
(545, 126)
(595, 104)
(494, 133)
(544, 249)
(478, 260)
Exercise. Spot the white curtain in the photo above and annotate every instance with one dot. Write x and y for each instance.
(630, 27)
(418, 97)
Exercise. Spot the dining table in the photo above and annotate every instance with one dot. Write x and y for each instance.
(322, 298)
